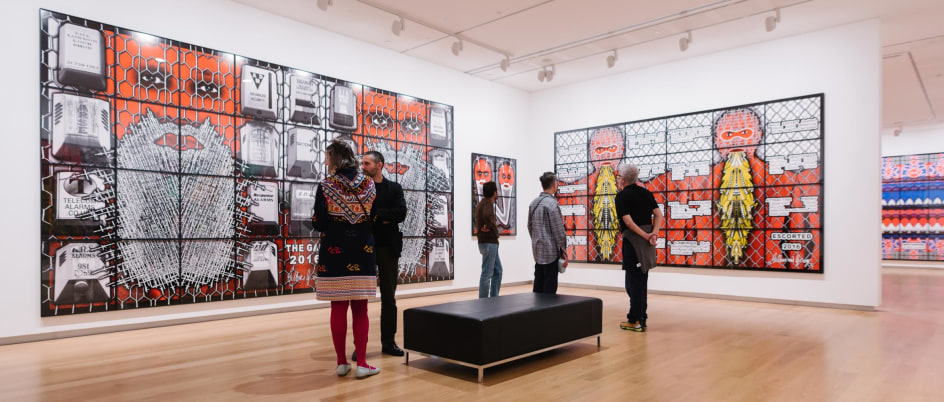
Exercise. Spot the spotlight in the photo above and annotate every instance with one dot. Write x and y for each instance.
(897, 132)
(685, 41)
(547, 73)
(771, 22)
(323, 4)
(398, 26)
(457, 47)
(505, 63)
(611, 59)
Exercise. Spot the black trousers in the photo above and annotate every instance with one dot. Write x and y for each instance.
(637, 285)
(387, 270)
(545, 278)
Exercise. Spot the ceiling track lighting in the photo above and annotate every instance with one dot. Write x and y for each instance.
(398, 26)
(324, 4)
(771, 22)
(611, 59)
(685, 41)
(457, 47)
(505, 63)
(547, 73)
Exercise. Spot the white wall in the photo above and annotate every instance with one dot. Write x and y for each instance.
(489, 118)
(913, 140)
(843, 63)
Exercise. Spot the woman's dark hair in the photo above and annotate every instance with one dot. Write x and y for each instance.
(342, 156)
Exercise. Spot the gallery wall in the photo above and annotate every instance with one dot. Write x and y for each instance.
(844, 64)
(222, 25)
(515, 121)
(913, 140)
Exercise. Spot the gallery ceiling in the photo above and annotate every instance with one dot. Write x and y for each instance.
(575, 38)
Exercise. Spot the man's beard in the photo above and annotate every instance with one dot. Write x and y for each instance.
(736, 205)
(604, 212)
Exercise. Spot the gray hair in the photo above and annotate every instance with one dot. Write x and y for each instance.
(629, 173)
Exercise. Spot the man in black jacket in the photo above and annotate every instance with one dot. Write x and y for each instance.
(388, 211)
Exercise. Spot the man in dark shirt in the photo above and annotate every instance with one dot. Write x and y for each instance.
(639, 221)
(490, 281)
(388, 211)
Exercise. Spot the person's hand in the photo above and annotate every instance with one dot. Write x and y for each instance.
(566, 261)
(484, 229)
(653, 239)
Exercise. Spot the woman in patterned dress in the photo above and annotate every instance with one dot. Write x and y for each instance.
(347, 272)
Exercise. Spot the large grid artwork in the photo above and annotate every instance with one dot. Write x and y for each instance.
(913, 207)
(740, 187)
(172, 173)
(502, 171)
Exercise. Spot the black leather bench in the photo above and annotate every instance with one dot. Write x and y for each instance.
(482, 333)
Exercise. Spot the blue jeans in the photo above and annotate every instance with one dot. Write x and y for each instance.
(491, 270)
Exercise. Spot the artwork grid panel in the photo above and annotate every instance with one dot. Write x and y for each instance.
(75, 277)
(76, 128)
(148, 274)
(300, 256)
(305, 98)
(76, 201)
(646, 138)
(147, 68)
(577, 245)
(64, 64)
(794, 249)
(202, 100)
(571, 147)
(378, 114)
(412, 120)
(208, 270)
(441, 261)
(697, 158)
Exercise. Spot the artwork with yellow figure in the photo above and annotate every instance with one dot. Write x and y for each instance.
(607, 147)
(736, 205)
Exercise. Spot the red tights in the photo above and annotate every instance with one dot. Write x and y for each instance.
(339, 329)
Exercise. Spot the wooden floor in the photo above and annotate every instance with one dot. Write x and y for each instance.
(695, 350)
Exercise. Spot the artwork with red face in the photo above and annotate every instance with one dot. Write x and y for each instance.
(502, 171)
(173, 173)
(739, 187)
(912, 207)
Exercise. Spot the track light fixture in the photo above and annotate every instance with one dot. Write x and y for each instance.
(897, 131)
(324, 4)
(771, 22)
(398, 26)
(685, 41)
(457, 47)
(505, 63)
(611, 59)
(547, 73)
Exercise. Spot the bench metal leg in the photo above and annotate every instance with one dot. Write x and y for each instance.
(598, 341)
(407, 355)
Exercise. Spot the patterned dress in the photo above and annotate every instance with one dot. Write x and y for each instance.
(346, 267)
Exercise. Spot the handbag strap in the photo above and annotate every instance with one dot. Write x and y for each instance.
(370, 221)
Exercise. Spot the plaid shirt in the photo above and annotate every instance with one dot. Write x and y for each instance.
(546, 227)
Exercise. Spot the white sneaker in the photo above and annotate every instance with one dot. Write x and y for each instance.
(343, 369)
(364, 372)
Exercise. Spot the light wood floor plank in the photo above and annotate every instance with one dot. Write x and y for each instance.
(695, 349)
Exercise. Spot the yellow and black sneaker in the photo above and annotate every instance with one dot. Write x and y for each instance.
(632, 326)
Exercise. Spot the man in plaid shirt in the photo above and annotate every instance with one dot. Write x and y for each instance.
(548, 239)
